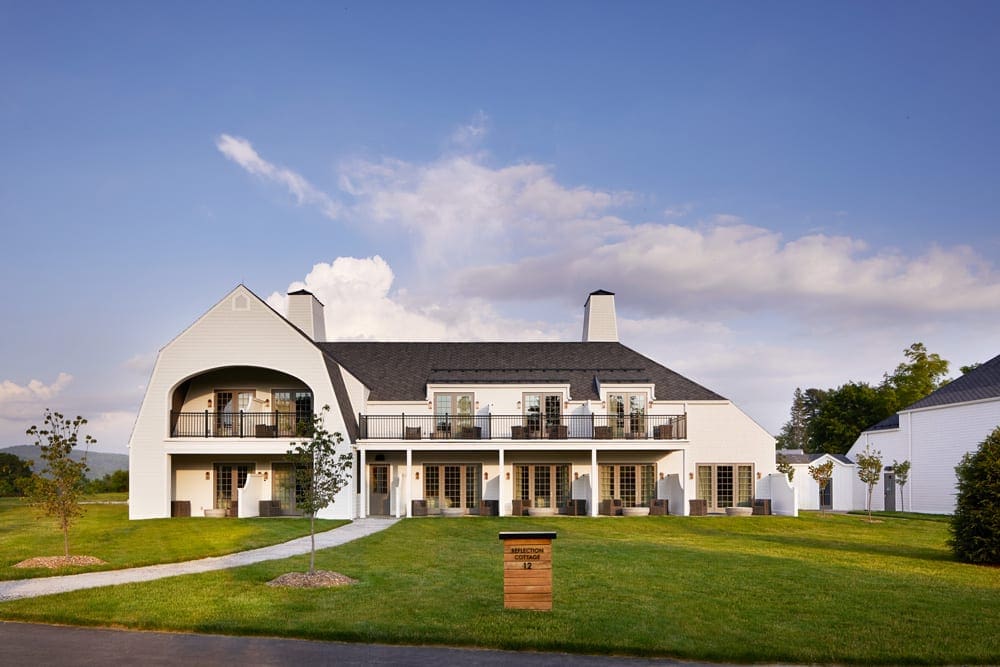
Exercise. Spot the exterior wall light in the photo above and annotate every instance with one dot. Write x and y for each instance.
(418, 474)
(209, 404)
(690, 475)
(507, 476)
(576, 475)
(265, 475)
(430, 405)
(208, 475)
(486, 476)
(661, 475)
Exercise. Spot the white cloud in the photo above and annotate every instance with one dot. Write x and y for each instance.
(140, 363)
(17, 401)
(359, 305)
(242, 153)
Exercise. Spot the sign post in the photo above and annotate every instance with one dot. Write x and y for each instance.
(527, 570)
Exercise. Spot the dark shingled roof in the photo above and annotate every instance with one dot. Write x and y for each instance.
(982, 383)
(890, 422)
(401, 371)
(809, 458)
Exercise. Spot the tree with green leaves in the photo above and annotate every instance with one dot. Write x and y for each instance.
(822, 473)
(785, 467)
(968, 369)
(869, 471)
(915, 378)
(58, 488)
(320, 472)
(901, 470)
(15, 473)
(975, 525)
(830, 420)
(844, 413)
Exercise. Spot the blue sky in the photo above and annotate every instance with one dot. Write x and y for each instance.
(780, 194)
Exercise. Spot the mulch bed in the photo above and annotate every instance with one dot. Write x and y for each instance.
(320, 579)
(56, 562)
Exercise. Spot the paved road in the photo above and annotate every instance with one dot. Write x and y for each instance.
(26, 588)
(43, 645)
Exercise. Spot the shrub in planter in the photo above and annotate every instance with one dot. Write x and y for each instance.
(975, 526)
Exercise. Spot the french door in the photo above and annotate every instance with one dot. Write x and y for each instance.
(541, 413)
(544, 485)
(627, 415)
(453, 485)
(228, 405)
(229, 477)
(725, 485)
(378, 489)
(632, 483)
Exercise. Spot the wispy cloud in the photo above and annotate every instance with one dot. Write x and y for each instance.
(242, 153)
(18, 401)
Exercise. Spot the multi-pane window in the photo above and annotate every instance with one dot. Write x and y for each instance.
(542, 412)
(627, 415)
(453, 485)
(724, 485)
(229, 477)
(633, 484)
(545, 485)
(228, 404)
(453, 411)
(293, 408)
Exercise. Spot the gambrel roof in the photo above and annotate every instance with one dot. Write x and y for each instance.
(402, 371)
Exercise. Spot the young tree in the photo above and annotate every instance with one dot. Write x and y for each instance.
(14, 474)
(320, 472)
(902, 473)
(59, 486)
(822, 473)
(913, 379)
(785, 467)
(869, 472)
(975, 525)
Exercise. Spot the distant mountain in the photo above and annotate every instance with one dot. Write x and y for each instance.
(101, 463)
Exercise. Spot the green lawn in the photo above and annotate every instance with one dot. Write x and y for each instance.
(105, 532)
(829, 589)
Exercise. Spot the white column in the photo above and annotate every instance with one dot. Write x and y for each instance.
(408, 498)
(594, 498)
(684, 487)
(363, 478)
(500, 485)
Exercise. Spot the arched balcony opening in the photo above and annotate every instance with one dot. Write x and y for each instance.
(240, 402)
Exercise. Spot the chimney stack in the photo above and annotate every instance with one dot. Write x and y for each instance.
(599, 321)
(306, 312)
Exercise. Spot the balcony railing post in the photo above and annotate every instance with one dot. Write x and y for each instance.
(206, 423)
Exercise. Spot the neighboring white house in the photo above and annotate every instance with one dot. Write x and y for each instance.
(581, 427)
(839, 492)
(933, 434)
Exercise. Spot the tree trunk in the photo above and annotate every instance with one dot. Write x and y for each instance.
(65, 529)
(312, 540)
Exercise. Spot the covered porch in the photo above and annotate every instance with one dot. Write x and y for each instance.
(422, 478)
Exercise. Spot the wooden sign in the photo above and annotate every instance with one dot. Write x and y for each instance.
(527, 570)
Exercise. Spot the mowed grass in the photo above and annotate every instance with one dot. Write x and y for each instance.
(827, 589)
(105, 532)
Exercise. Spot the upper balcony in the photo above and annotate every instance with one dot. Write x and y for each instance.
(521, 427)
(208, 424)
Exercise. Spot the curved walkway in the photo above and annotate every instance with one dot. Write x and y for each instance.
(28, 588)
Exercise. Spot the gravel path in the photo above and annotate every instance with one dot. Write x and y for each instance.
(28, 588)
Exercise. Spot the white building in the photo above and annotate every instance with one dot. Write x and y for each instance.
(839, 492)
(933, 434)
(586, 427)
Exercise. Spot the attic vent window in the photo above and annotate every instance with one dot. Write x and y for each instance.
(241, 302)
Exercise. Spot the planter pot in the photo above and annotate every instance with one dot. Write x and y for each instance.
(635, 511)
(215, 514)
(739, 511)
(452, 511)
(541, 511)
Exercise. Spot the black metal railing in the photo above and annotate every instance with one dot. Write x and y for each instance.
(522, 427)
(209, 424)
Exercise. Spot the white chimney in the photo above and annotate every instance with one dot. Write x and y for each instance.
(306, 312)
(599, 321)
